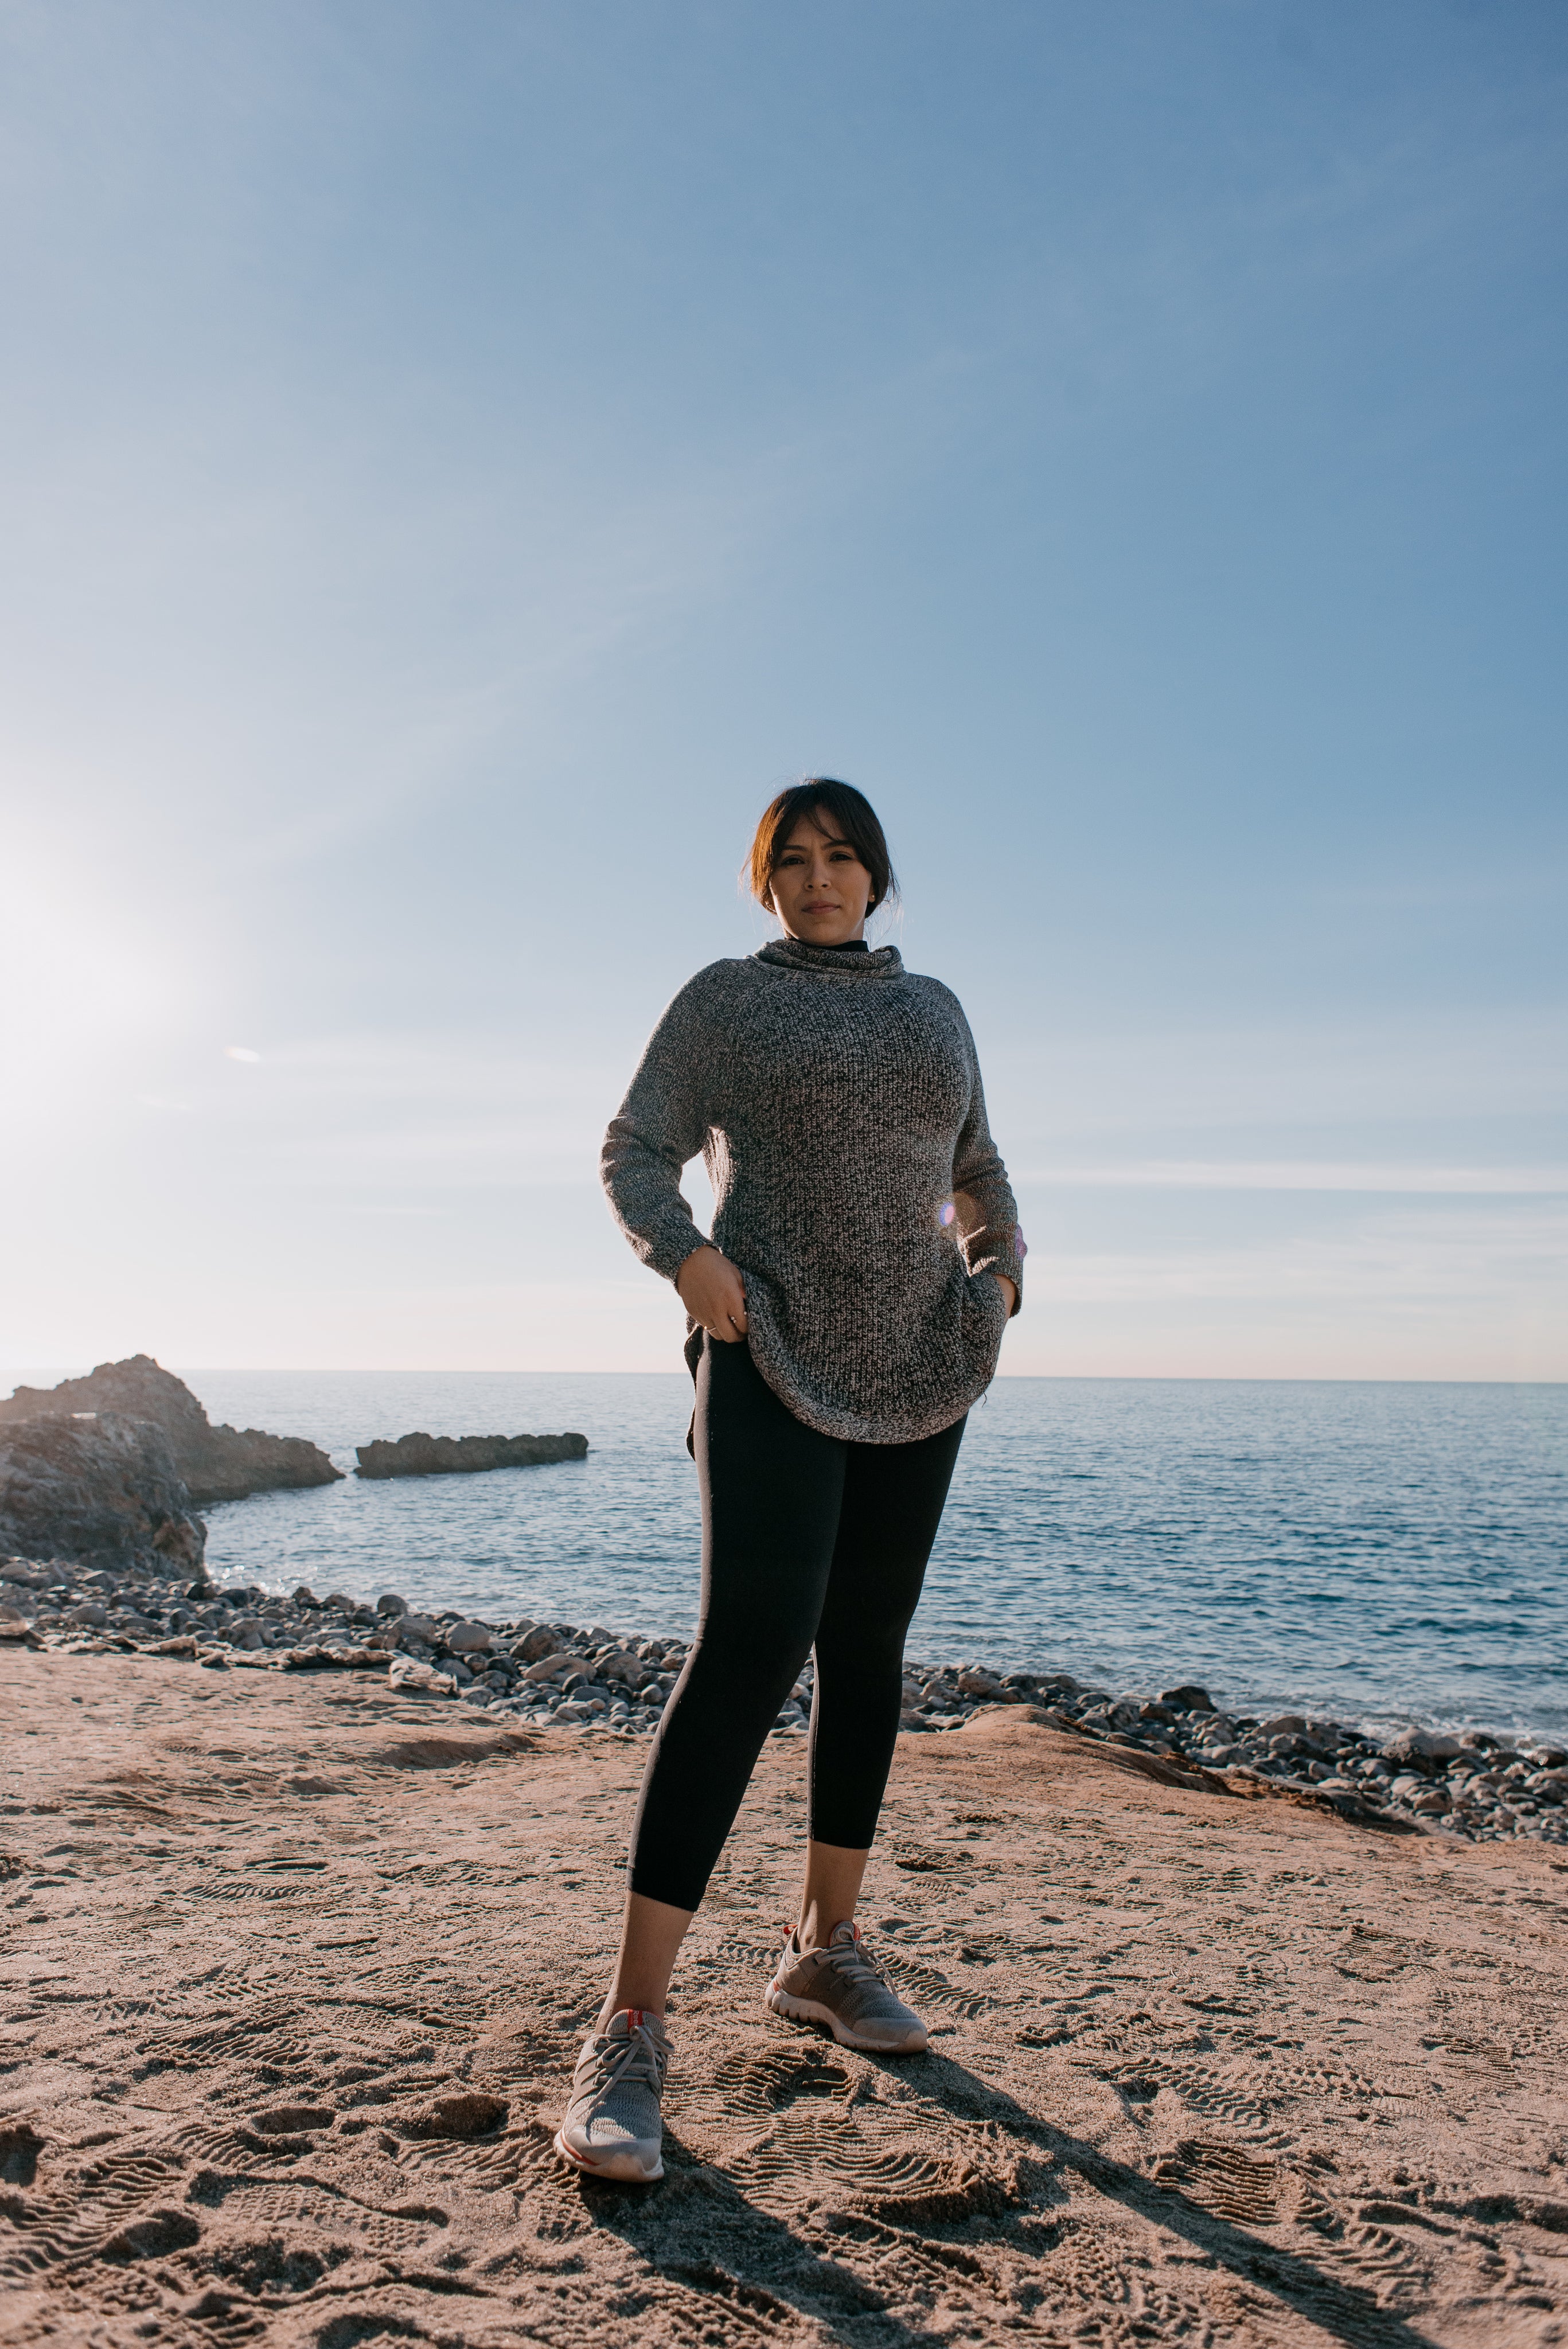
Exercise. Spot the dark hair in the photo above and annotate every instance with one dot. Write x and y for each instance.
(853, 817)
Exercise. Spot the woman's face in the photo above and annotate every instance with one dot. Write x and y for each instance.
(820, 888)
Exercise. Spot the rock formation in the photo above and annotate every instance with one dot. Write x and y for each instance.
(218, 1464)
(441, 1455)
(97, 1490)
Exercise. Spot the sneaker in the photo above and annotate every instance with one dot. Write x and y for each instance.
(843, 1987)
(613, 2127)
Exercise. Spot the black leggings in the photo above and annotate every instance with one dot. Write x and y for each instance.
(805, 1540)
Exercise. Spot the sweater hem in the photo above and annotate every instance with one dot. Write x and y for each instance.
(852, 1427)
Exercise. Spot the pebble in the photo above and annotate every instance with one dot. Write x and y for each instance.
(1471, 1784)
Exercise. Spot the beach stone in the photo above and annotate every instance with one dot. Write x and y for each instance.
(1421, 1745)
(1283, 1725)
(1187, 1698)
(548, 1667)
(92, 1612)
(390, 1603)
(405, 1672)
(468, 1639)
(418, 1626)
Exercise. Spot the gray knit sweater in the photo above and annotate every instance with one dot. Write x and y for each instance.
(836, 1100)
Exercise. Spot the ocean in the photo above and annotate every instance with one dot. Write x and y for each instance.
(1381, 1553)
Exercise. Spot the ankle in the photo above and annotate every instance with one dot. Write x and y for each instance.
(615, 2004)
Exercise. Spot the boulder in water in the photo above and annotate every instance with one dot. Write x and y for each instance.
(217, 1464)
(445, 1455)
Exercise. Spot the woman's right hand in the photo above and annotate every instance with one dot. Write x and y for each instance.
(713, 1293)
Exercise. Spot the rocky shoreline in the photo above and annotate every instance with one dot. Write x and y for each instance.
(1473, 1785)
(215, 1464)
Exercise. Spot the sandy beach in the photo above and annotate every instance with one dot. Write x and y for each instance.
(293, 1967)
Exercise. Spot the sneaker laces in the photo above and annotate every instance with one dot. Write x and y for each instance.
(637, 2056)
(854, 1959)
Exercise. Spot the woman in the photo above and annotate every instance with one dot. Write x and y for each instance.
(848, 1310)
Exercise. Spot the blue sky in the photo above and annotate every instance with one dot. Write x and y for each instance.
(457, 462)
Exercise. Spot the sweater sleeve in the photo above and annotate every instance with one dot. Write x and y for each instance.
(660, 1126)
(989, 1234)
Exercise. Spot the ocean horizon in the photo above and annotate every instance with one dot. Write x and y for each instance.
(1376, 1551)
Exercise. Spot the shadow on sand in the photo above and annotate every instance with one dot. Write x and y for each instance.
(697, 2230)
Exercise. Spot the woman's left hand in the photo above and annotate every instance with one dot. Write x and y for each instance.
(1009, 1289)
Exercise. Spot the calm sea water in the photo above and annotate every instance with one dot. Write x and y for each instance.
(1378, 1552)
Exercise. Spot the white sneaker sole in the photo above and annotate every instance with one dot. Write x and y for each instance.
(811, 2010)
(619, 2169)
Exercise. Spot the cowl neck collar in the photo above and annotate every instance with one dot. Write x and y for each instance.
(832, 962)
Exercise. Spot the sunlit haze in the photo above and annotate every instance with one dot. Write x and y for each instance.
(458, 462)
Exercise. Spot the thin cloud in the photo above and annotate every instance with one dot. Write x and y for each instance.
(1298, 1175)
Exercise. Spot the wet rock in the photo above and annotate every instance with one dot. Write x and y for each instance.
(216, 1463)
(443, 1455)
